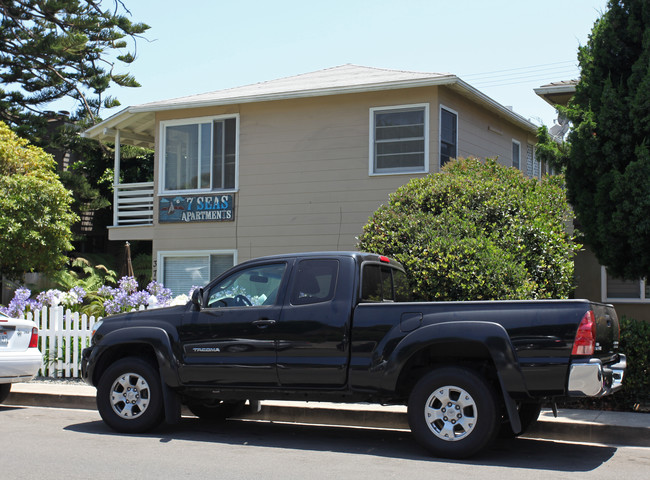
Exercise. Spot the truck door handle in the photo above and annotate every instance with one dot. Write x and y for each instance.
(264, 322)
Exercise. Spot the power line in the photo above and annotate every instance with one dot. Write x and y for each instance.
(524, 75)
(573, 62)
(525, 79)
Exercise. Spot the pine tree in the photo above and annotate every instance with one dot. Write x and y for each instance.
(608, 170)
(50, 49)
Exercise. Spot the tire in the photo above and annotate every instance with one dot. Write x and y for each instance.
(528, 415)
(5, 388)
(129, 396)
(216, 410)
(471, 400)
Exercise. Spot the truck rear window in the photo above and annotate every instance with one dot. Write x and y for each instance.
(380, 283)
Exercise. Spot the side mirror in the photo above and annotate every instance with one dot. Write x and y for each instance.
(197, 298)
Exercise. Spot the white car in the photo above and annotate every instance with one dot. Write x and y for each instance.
(20, 357)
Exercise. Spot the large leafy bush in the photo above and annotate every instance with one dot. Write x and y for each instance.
(35, 213)
(478, 231)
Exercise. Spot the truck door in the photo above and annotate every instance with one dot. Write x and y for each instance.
(231, 341)
(313, 343)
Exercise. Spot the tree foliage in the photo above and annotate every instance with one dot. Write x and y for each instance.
(478, 231)
(35, 215)
(549, 151)
(608, 170)
(52, 49)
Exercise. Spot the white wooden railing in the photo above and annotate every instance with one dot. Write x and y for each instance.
(133, 204)
(62, 337)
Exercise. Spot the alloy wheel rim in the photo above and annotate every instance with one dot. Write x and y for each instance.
(130, 395)
(450, 413)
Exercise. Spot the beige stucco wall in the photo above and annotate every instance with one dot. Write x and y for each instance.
(481, 133)
(589, 285)
(304, 180)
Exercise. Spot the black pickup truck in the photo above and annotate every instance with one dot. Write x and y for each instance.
(340, 327)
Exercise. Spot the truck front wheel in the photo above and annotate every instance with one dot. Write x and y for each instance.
(129, 396)
(452, 412)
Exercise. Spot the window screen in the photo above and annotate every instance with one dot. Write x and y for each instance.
(182, 272)
(399, 140)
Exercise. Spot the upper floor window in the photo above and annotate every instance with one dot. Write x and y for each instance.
(448, 135)
(516, 154)
(624, 291)
(200, 154)
(399, 139)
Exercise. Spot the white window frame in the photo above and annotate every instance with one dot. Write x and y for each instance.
(371, 149)
(454, 112)
(605, 298)
(518, 143)
(160, 256)
(194, 121)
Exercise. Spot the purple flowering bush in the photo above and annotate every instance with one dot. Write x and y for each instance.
(22, 303)
(106, 300)
(127, 297)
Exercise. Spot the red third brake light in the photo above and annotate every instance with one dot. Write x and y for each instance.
(384, 259)
(33, 342)
(585, 341)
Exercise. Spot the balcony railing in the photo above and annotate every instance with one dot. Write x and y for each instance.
(133, 204)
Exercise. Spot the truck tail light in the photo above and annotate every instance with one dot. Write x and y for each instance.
(585, 341)
(33, 341)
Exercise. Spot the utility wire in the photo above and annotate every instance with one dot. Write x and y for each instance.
(572, 62)
(524, 75)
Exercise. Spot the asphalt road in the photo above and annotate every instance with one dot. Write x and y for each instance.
(37, 442)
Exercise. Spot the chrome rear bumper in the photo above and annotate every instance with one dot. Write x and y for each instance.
(593, 379)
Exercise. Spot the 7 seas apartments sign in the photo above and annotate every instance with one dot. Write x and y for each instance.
(197, 208)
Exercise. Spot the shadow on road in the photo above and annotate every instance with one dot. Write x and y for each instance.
(517, 453)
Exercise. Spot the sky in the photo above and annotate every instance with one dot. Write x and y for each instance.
(503, 48)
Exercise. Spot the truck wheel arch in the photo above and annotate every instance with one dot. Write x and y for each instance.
(150, 343)
(478, 345)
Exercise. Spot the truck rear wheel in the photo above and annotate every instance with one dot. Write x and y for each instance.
(453, 413)
(129, 396)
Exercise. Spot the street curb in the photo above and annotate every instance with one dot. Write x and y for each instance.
(636, 431)
(590, 433)
(53, 400)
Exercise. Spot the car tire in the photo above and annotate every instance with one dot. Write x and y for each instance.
(216, 410)
(5, 388)
(129, 396)
(452, 412)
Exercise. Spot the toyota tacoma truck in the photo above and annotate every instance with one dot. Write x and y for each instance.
(340, 327)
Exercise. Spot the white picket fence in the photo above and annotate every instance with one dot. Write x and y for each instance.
(62, 337)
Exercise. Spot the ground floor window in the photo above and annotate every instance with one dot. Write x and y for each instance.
(180, 271)
(624, 291)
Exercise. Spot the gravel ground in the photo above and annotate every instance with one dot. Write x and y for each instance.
(59, 381)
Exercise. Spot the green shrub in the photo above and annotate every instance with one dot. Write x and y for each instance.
(478, 231)
(635, 343)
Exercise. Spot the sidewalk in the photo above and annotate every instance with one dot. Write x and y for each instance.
(591, 426)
